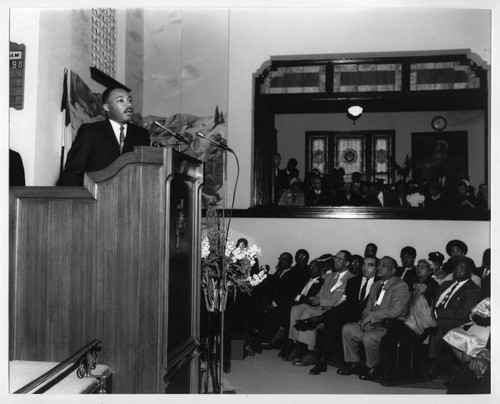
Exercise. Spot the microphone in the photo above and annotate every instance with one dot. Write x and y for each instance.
(176, 135)
(221, 145)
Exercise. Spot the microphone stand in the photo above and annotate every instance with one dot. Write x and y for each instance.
(178, 137)
(224, 271)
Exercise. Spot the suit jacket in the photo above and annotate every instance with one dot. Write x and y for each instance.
(329, 298)
(313, 199)
(459, 306)
(284, 289)
(313, 291)
(410, 276)
(96, 147)
(394, 304)
(352, 306)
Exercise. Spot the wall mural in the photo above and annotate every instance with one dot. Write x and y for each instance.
(86, 106)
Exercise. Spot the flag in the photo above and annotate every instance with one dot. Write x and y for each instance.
(65, 100)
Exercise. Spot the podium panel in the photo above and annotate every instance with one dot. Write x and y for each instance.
(115, 260)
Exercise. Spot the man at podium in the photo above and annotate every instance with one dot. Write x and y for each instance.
(98, 144)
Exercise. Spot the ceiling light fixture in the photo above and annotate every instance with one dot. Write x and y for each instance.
(354, 113)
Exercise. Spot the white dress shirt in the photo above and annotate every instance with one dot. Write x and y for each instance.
(116, 129)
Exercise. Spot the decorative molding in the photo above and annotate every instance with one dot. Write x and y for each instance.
(104, 40)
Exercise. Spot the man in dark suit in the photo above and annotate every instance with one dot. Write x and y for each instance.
(389, 298)
(356, 296)
(484, 272)
(283, 285)
(98, 144)
(456, 298)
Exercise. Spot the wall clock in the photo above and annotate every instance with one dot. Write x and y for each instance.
(438, 123)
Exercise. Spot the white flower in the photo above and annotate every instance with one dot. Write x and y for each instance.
(205, 246)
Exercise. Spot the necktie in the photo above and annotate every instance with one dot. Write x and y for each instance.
(363, 290)
(379, 291)
(122, 138)
(448, 295)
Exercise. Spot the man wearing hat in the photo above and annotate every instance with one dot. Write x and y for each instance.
(293, 196)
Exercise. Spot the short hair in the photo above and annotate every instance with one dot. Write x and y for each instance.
(487, 257)
(373, 245)
(107, 92)
(469, 263)
(303, 252)
(425, 262)
(410, 251)
(288, 255)
(348, 255)
(357, 257)
(456, 243)
(392, 260)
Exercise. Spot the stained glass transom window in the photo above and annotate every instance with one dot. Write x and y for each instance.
(442, 76)
(295, 79)
(366, 77)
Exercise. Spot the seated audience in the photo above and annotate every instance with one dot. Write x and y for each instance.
(415, 328)
(456, 298)
(347, 197)
(389, 298)
(315, 195)
(376, 197)
(356, 296)
(330, 295)
(407, 271)
(293, 196)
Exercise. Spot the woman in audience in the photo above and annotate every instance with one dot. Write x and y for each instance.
(293, 196)
(436, 260)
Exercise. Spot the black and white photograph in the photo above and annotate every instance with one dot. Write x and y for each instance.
(256, 200)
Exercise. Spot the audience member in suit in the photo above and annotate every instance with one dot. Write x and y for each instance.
(389, 298)
(454, 304)
(315, 195)
(301, 267)
(407, 271)
(356, 295)
(97, 144)
(290, 171)
(346, 196)
(330, 295)
(293, 196)
(376, 197)
(310, 289)
(484, 273)
(283, 286)
(397, 198)
(16, 170)
(455, 249)
(370, 250)
(415, 328)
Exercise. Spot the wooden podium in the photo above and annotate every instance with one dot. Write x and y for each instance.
(117, 260)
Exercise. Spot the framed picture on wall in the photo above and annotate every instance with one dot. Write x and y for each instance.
(438, 154)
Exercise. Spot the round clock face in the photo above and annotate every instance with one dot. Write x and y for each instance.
(439, 123)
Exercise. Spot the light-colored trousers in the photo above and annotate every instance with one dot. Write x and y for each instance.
(302, 312)
(352, 337)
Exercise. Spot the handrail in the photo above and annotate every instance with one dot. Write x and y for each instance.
(76, 357)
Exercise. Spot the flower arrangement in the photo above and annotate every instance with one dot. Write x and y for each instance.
(224, 273)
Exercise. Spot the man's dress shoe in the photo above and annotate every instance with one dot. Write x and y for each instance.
(306, 360)
(307, 324)
(370, 374)
(291, 356)
(349, 370)
(318, 368)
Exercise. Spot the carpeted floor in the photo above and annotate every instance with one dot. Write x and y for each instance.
(265, 373)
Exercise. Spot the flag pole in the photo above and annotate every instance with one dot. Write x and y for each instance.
(65, 119)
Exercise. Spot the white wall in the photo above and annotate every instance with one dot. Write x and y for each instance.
(321, 236)
(258, 34)
(22, 126)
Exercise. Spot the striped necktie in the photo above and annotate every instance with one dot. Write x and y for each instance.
(448, 295)
(122, 138)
